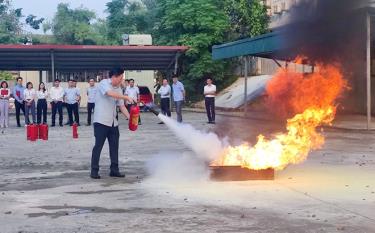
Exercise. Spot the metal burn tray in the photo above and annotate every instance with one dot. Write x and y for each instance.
(237, 173)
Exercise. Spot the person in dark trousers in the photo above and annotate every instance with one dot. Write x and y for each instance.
(72, 98)
(108, 97)
(133, 92)
(209, 99)
(57, 96)
(41, 107)
(19, 99)
(165, 98)
(29, 96)
(178, 96)
(91, 94)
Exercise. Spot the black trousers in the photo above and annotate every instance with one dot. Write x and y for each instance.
(90, 109)
(210, 108)
(101, 133)
(41, 109)
(19, 107)
(128, 107)
(57, 107)
(73, 109)
(165, 106)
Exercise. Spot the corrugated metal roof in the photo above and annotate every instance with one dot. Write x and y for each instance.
(87, 57)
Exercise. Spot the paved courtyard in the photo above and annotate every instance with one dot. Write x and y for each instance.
(45, 185)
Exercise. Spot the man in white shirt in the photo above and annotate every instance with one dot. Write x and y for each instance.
(178, 96)
(91, 95)
(132, 92)
(109, 96)
(72, 97)
(165, 96)
(57, 96)
(209, 97)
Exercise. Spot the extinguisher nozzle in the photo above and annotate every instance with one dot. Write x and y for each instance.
(154, 111)
(151, 108)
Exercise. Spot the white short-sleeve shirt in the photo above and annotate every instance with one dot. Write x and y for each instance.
(209, 89)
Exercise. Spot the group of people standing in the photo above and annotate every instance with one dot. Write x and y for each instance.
(34, 103)
(178, 94)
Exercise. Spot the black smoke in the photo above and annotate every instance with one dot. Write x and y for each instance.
(326, 30)
(331, 31)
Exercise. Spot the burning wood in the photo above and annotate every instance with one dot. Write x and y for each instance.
(237, 173)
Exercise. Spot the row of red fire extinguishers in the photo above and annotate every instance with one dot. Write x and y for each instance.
(35, 132)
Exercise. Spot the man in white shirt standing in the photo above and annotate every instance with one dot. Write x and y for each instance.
(132, 92)
(209, 98)
(165, 96)
(178, 96)
(57, 96)
(91, 94)
(72, 98)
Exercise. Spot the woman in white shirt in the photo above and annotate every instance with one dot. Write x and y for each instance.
(4, 105)
(30, 95)
(41, 107)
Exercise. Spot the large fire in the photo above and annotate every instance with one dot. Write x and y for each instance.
(311, 99)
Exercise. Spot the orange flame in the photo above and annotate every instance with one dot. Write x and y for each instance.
(312, 98)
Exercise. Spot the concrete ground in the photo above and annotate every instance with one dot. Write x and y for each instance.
(45, 187)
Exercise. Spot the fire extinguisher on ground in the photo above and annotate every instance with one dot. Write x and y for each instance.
(32, 132)
(75, 130)
(43, 132)
(134, 117)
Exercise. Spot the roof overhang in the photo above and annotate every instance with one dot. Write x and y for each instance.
(261, 46)
(271, 45)
(88, 57)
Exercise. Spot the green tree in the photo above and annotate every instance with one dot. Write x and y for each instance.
(73, 26)
(10, 26)
(248, 18)
(33, 21)
(5, 75)
(198, 24)
(129, 17)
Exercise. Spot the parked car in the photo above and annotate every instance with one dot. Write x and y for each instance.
(145, 96)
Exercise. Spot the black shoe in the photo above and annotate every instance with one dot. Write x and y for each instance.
(161, 123)
(88, 124)
(61, 125)
(18, 125)
(116, 174)
(95, 176)
(53, 125)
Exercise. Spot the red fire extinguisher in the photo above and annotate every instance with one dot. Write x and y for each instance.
(32, 132)
(134, 118)
(75, 130)
(28, 132)
(43, 132)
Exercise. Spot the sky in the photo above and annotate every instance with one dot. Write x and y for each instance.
(47, 8)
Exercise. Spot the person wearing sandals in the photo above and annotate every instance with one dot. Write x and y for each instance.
(29, 96)
(41, 109)
(4, 105)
